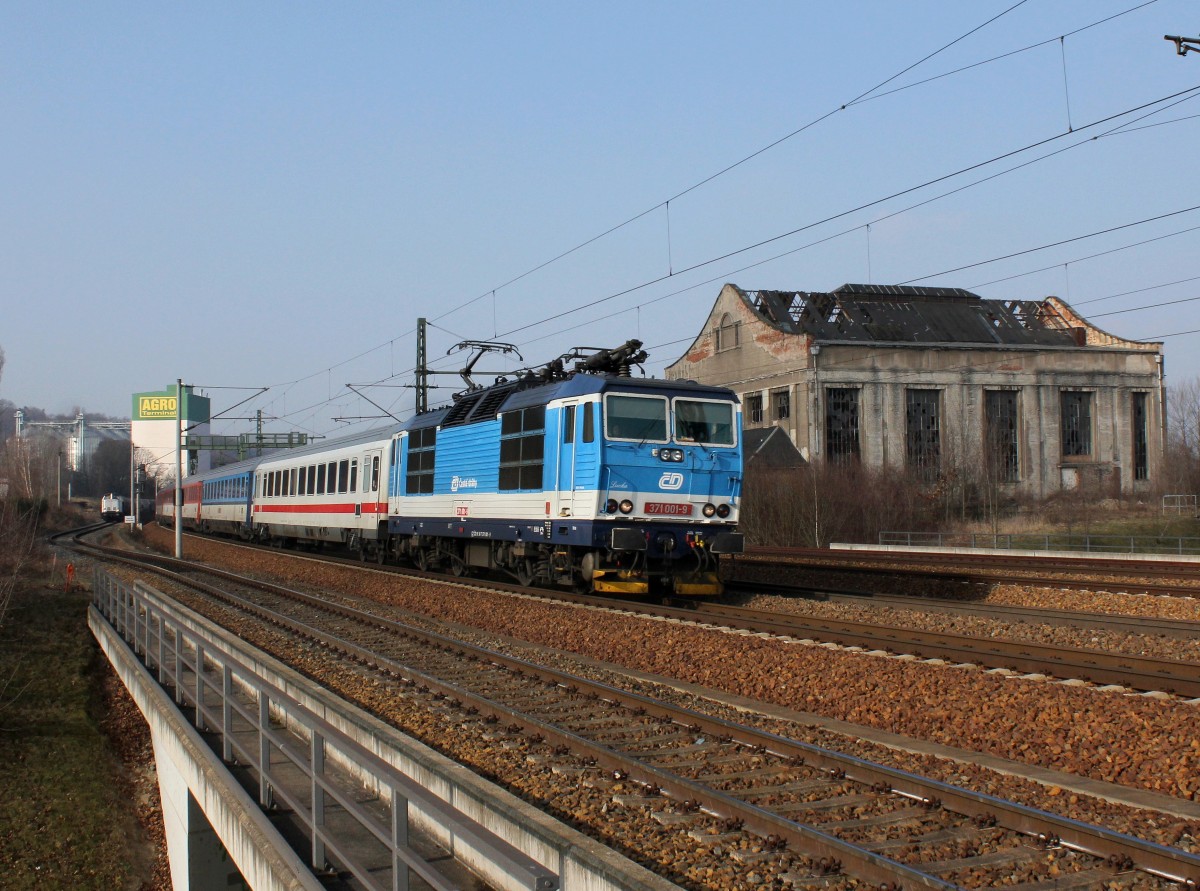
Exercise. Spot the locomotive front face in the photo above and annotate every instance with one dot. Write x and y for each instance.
(671, 460)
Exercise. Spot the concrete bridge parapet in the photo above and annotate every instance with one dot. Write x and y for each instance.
(314, 746)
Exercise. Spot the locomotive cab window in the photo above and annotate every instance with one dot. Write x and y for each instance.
(635, 418)
(707, 423)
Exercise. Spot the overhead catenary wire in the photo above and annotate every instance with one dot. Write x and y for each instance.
(731, 167)
(972, 265)
(866, 96)
(1191, 92)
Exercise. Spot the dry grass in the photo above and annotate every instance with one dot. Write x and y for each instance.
(68, 817)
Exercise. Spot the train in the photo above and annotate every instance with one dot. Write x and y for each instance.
(115, 507)
(112, 507)
(576, 474)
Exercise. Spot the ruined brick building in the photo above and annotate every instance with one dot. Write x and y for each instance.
(1025, 393)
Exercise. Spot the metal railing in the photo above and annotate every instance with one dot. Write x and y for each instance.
(1179, 504)
(1090, 544)
(301, 761)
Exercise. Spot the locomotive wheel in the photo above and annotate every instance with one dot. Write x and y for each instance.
(458, 568)
(421, 559)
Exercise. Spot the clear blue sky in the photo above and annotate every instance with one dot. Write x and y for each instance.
(270, 195)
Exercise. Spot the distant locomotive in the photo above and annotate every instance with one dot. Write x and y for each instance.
(585, 477)
(112, 507)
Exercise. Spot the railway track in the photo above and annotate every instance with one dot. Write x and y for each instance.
(1125, 624)
(816, 817)
(1099, 667)
(1080, 573)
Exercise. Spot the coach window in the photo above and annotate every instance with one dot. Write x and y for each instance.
(312, 479)
(331, 478)
(354, 474)
(320, 479)
(637, 418)
(375, 473)
(343, 475)
(303, 480)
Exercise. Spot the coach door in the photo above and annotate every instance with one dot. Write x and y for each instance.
(565, 489)
(369, 483)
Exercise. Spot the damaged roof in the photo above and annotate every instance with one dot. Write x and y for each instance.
(902, 313)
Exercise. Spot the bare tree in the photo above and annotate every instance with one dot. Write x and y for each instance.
(1182, 466)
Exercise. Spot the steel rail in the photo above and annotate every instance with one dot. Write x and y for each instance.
(1097, 666)
(961, 568)
(1173, 864)
(1120, 622)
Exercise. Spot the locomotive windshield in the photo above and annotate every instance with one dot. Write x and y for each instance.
(710, 423)
(642, 418)
(645, 419)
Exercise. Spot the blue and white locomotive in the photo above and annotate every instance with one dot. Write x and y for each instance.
(586, 477)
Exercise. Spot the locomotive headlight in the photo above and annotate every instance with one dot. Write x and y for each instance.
(610, 506)
(626, 506)
(675, 455)
(708, 510)
(723, 511)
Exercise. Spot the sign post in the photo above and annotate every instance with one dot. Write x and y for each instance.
(179, 469)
